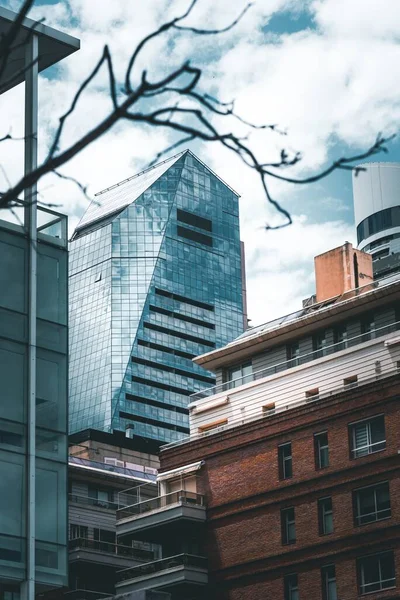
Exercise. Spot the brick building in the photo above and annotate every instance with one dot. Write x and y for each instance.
(295, 454)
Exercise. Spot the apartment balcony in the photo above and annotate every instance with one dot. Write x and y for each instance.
(88, 501)
(184, 576)
(321, 375)
(157, 518)
(112, 555)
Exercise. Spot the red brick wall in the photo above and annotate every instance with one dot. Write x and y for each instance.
(244, 497)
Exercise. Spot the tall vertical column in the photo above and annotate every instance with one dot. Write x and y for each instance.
(30, 197)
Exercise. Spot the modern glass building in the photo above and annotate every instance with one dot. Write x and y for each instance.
(33, 346)
(155, 279)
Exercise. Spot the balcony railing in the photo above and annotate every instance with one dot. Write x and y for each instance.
(179, 497)
(85, 595)
(295, 362)
(181, 560)
(110, 548)
(93, 501)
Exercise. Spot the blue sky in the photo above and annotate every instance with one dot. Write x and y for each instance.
(326, 71)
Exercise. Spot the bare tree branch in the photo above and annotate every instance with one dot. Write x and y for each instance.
(176, 103)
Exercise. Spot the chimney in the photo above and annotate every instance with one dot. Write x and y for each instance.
(340, 270)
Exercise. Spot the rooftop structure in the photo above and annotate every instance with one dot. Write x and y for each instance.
(376, 190)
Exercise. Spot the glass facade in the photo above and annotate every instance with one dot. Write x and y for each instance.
(155, 279)
(51, 407)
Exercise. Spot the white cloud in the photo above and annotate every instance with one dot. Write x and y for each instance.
(334, 82)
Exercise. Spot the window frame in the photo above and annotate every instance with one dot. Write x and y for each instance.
(290, 585)
(323, 513)
(340, 338)
(352, 437)
(356, 504)
(320, 344)
(326, 579)
(242, 379)
(288, 524)
(318, 448)
(283, 460)
(361, 575)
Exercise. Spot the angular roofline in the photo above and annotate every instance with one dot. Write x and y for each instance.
(187, 151)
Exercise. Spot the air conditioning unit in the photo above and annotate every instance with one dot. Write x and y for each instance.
(114, 461)
(150, 470)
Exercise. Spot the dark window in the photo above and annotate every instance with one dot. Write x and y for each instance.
(384, 219)
(163, 386)
(168, 369)
(368, 328)
(178, 334)
(367, 437)
(372, 503)
(101, 497)
(328, 578)
(183, 299)
(293, 354)
(104, 540)
(321, 450)
(340, 338)
(195, 220)
(285, 461)
(379, 242)
(325, 516)
(194, 236)
(291, 587)
(376, 572)
(380, 254)
(77, 531)
(288, 526)
(176, 315)
(166, 349)
(157, 404)
(153, 422)
(319, 344)
(240, 375)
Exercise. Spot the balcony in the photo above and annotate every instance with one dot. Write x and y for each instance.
(99, 552)
(184, 575)
(157, 518)
(275, 390)
(88, 501)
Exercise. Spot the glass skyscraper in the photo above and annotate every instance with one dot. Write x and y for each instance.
(155, 279)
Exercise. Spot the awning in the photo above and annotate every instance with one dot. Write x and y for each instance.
(180, 471)
(392, 341)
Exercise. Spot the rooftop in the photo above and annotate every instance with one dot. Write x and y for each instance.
(54, 45)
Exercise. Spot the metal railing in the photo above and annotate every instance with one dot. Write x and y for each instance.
(93, 501)
(85, 595)
(110, 548)
(179, 497)
(181, 560)
(295, 362)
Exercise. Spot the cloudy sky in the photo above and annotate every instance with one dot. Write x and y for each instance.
(325, 71)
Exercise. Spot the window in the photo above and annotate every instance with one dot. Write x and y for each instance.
(101, 498)
(340, 338)
(194, 236)
(368, 329)
(325, 516)
(78, 531)
(285, 461)
(328, 578)
(288, 526)
(367, 436)
(371, 504)
(321, 450)
(293, 354)
(319, 344)
(291, 587)
(240, 375)
(376, 572)
(195, 220)
(104, 540)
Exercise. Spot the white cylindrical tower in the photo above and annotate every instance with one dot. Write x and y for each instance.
(376, 192)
